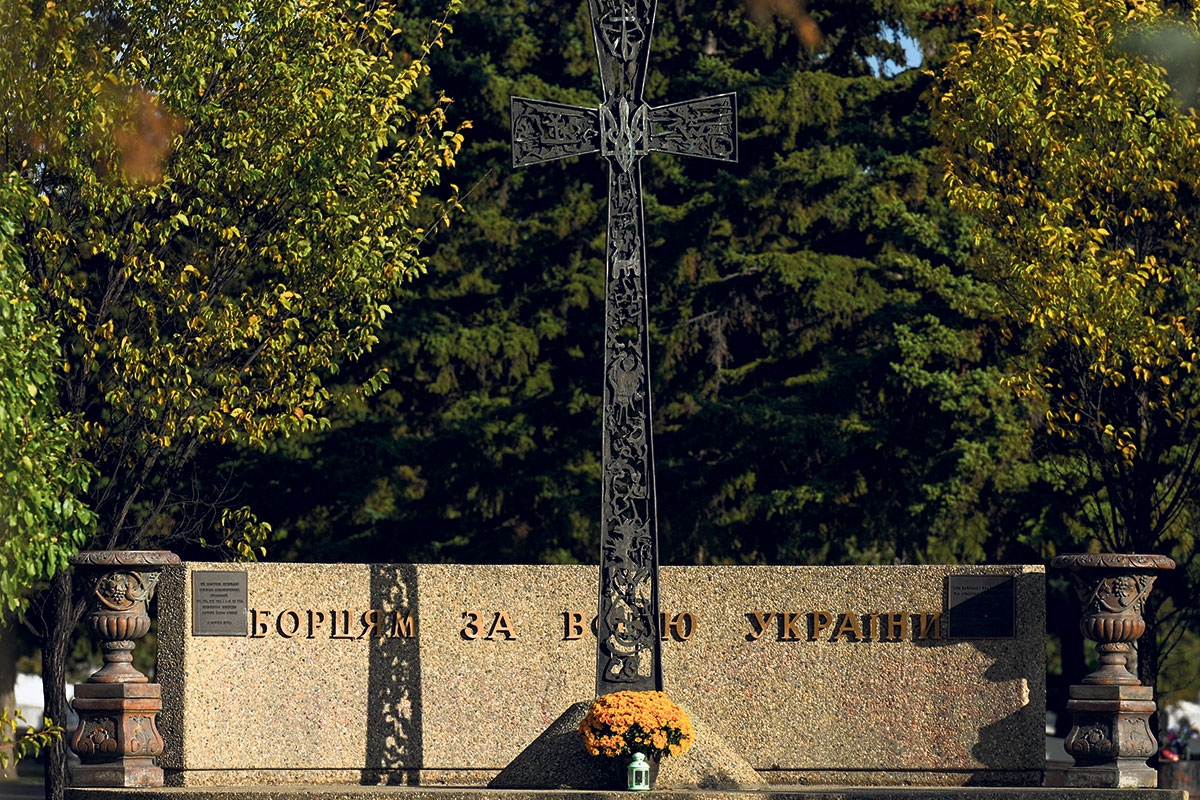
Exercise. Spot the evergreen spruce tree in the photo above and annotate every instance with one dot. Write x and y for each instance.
(825, 373)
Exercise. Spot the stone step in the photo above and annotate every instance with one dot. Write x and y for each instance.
(345, 792)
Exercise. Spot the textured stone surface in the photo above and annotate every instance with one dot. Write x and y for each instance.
(793, 793)
(936, 706)
(557, 759)
(710, 764)
(557, 752)
(444, 707)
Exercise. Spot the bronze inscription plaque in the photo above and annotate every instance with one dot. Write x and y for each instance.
(981, 606)
(219, 604)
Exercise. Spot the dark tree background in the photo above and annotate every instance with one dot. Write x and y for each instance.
(827, 367)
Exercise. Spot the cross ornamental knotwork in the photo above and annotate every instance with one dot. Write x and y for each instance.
(623, 129)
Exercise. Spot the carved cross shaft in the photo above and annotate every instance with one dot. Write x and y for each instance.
(622, 130)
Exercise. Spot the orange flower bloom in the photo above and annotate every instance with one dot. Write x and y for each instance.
(626, 722)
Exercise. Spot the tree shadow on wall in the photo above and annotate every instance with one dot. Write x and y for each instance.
(395, 750)
(1013, 747)
(1010, 750)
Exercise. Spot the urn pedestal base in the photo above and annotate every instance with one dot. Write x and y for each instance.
(1110, 739)
(117, 738)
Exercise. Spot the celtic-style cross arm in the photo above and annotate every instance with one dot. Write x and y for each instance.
(623, 129)
(545, 131)
(706, 128)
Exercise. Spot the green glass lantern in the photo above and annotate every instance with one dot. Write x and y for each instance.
(638, 774)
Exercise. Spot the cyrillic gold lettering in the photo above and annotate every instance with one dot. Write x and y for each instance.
(404, 624)
(930, 626)
(787, 626)
(501, 625)
(683, 626)
(470, 631)
(893, 625)
(370, 623)
(258, 629)
(818, 621)
(848, 627)
(572, 625)
(760, 621)
(333, 624)
(315, 620)
(295, 623)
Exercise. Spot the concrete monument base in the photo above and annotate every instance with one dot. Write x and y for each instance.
(345, 792)
(558, 760)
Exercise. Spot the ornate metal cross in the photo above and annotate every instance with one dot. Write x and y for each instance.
(623, 129)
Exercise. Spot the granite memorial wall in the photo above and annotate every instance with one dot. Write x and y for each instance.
(442, 674)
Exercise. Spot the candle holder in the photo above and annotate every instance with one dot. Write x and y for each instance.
(637, 774)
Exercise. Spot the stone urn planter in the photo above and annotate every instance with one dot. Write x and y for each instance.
(118, 586)
(1110, 739)
(1112, 588)
(117, 738)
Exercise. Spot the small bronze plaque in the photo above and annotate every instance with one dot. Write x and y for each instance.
(981, 606)
(219, 604)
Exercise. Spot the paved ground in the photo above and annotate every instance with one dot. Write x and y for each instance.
(357, 792)
(21, 790)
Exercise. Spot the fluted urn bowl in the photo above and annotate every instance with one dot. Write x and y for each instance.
(117, 625)
(118, 585)
(1112, 588)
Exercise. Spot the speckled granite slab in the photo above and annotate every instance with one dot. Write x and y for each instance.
(443, 674)
(774, 793)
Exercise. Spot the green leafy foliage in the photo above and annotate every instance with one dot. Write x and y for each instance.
(42, 475)
(825, 378)
(219, 210)
(215, 206)
(1081, 166)
(16, 744)
(1082, 170)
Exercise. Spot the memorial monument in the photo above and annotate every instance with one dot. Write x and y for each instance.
(460, 676)
(444, 674)
(623, 130)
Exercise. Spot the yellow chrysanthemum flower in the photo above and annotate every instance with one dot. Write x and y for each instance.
(624, 722)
